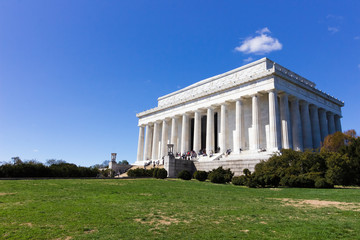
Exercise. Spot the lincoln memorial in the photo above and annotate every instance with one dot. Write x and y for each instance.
(239, 118)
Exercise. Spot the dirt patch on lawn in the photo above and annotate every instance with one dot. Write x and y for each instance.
(158, 220)
(145, 194)
(4, 193)
(320, 204)
(89, 231)
(29, 224)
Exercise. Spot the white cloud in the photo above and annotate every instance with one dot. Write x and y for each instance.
(261, 44)
(333, 29)
(249, 59)
(357, 37)
(359, 66)
(264, 30)
(35, 150)
(335, 17)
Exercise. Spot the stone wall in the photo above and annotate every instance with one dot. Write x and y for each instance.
(173, 166)
(236, 166)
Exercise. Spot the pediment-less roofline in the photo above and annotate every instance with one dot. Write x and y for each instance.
(247, 74)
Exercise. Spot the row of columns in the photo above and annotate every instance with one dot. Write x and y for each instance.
(299, 127)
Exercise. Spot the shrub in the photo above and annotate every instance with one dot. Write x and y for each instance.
(161, 173)
(217, 177)
(322, 183)
(220, 175)
(184, 175)
(241, 180)
(154, 173)
(200, 175)
(140, 172)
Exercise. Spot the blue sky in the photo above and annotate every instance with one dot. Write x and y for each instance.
(73, 74)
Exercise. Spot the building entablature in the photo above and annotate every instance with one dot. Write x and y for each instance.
(249, 75)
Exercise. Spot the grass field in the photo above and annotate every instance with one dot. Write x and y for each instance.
(173, 209)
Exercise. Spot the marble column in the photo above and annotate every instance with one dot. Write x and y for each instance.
(296, 127)
(255, 124)
(315, 126)
(223, 127)
(164, 138)
(285, 122)
(239, 126)
(155, 145)
(338, 123)
(185, 133)
(306, 125)
(197, 131)
(274, 126)
(148, 136)
(140, 150)
(331, 122)
(174, 131)
(210, 130)
(323, 124)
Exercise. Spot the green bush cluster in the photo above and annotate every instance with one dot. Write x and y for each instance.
(140, 172)
(36, 169)
(200, 175)
(220, 175)
(322, 169)
(184, 175)
(161, 173)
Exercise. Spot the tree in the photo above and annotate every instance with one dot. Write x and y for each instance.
(16, 160)
(53, 161)
(124, 162)
(334, 142)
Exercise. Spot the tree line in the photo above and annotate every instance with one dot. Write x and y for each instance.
(53, 168)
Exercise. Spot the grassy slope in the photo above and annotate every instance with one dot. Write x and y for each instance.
(168, 209)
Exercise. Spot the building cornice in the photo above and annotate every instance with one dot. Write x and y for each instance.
(235, 78)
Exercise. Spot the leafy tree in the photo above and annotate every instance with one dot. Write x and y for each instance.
(124, 162)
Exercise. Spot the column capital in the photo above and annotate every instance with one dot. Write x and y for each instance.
(271, 90)
(283, 94)
(226, 103)
(329, 113)
(304, 103)
(313, 106)
(239, 99)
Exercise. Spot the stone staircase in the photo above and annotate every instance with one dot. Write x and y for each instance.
(124, 175)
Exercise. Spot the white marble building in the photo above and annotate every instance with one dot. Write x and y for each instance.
(254, 110)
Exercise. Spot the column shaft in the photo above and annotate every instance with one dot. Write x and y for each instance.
(331, 122)
(223, 128)
(338, 123)
(197, 131)
(185, 134)
(255, 124)
(148, 136)
(174, 134)
(155, 145)
(210, 130)
(275, 138)
(239, 126)
(315, 126)
(140, 150)
(285, 122)
(296, 126)
(306, 126)
(323, 124)
(164, 138)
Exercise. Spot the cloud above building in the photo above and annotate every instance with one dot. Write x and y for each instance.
(333, 29)
(261, 44)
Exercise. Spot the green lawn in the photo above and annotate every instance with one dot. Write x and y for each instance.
(172, 209)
